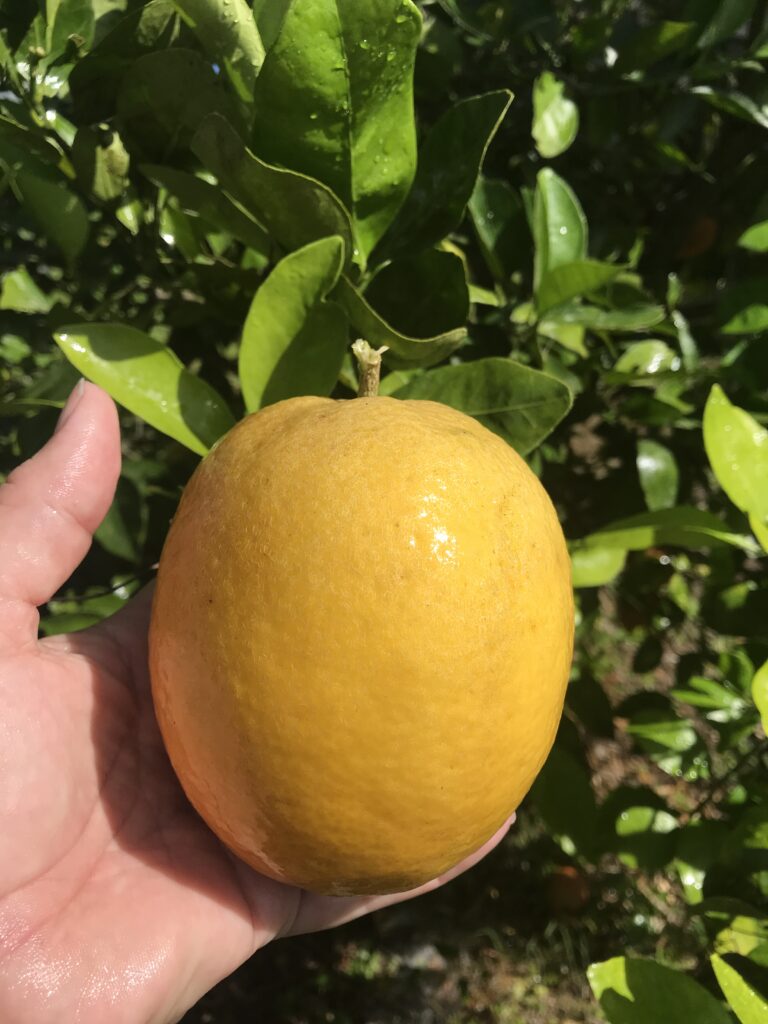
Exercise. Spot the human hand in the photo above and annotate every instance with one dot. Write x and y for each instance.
(117, 903)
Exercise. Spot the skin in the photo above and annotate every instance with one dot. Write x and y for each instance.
(116, 901)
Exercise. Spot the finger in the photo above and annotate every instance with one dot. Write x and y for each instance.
(51, 505)
(316, 913)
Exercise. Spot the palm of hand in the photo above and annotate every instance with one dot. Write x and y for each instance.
(116, 901)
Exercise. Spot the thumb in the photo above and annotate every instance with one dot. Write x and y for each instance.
(50, 506)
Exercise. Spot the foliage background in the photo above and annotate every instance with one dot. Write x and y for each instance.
(646, 834)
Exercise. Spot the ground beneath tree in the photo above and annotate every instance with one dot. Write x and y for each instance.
(508, 943)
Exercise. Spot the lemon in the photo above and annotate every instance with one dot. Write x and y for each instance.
(360, 641)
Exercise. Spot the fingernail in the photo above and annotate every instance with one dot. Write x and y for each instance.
(72, 403)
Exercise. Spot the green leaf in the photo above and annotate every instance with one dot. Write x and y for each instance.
(21, 293)
(25, 139)
(594, 566)
(421, 296)
(749, 1005)
(227, 31)
(730, 101)
(744, 307)
(656, 728)
(294, 209)
(641, 827)
(200, 197)
(688, 348)
(652, 43)
(67, 622)
(121, 529)
(65, 18)
(450, 159)
(632, 318)
(570, 336)
(729, 15)
(149, 380)
(755, 238)
(640, 818)
(706, 693)
(659, 477)
(13, 350)
(559, 225)
(396, 379)
(644, 992)
(164, 97)
(571, 280)
(646, 358)
(520, 404)
(564, 798)
(498, 216)
(480, 296)
(737, 448)
(293, 342)
(682, 526)
(60, 213)
(467, 20)
(270, 15)
(555, 117)
(101, 163)
(334, 100)
(95, 80)
(760, 693)
(760, 529)
(404, 351)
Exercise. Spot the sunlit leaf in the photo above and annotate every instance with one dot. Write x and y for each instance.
(570, 280)
(555, 116)
(499, 219)
(749, 1005)
(631, 318)
(760, 693)
(101, 163)
(559, 225)
(737, 448)
(730, 101)
(450, 159)
(149, 380)
(294, 342)
(658, 474)
(645, 992)
(744, 307)
(227, 30)
(209, 202)
(68, 20)
(594, 566)
(520, 404)
(683, 526)
(755, 237)
(294, 209)
(334, 100)
(20, 292)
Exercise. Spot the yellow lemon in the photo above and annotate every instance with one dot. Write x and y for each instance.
(360, 641)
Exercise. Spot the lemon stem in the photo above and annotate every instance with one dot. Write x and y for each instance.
(369, 368)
